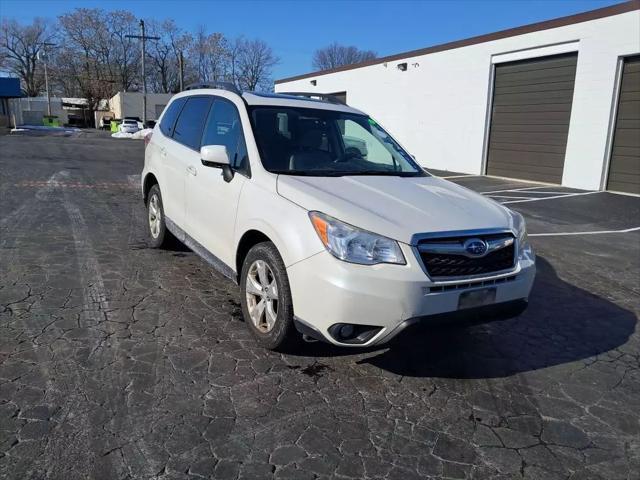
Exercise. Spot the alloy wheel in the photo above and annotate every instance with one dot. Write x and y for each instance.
(262, 296)
(155, 216)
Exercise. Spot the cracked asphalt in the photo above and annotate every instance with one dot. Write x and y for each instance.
(122, 362)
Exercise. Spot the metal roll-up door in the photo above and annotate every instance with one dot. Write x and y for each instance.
(624, 168)
(530, 118)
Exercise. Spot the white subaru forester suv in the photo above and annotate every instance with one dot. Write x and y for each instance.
(329, 226)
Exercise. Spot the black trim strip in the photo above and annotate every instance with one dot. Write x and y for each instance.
(307, 329)
(201, 251)
(471, 316)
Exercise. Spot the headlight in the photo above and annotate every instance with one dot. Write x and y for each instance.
(354, 245)
(520, 228)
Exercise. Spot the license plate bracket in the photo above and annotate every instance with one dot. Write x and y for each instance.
(477, 298)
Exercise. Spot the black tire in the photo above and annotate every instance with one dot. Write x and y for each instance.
(163, 237)
(283, 335)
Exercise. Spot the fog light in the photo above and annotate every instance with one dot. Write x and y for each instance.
(353, 333)
(346, 331)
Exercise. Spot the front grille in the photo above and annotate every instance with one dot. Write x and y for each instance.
(453, 265)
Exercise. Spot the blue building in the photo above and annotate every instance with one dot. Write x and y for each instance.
(9, 88)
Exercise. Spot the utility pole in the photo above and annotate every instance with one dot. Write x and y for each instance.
(46, 74)
(181, 65)
(144, 39)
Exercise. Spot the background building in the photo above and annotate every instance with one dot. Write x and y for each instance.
(9, 88)
(556, 101)
(69, 111)
(75, 111)
(129, 104)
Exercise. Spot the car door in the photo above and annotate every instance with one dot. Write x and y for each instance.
(170, 176)
(182, 152)
(211, 201)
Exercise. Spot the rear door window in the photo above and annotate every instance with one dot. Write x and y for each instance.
(169, 118)
(190, 124)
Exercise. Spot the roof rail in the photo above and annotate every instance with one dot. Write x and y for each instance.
(322, 96)
(219, 85)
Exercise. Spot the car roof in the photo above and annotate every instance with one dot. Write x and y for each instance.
(273, 99)
(286, 100)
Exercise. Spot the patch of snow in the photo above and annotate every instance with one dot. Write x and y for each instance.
(139, 135)
(121, 135)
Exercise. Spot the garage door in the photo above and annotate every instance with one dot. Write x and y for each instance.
(624, 170)
(530, 118)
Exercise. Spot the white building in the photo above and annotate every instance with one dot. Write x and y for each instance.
(75, 111)
(129, 104)
(556, 101)
(69, 111)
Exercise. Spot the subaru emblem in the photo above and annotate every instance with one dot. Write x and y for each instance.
(475, 247)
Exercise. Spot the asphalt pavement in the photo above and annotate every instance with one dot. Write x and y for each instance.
(118, 361)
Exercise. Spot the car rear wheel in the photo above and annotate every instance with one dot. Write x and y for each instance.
(159, 236)
(266, 298)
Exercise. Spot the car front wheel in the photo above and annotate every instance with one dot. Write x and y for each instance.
(266, 298)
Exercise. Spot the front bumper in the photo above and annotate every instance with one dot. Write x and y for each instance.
(327, 291)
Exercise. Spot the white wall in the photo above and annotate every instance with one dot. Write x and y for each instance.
(129, 104)
(437, 108)
(30, 110)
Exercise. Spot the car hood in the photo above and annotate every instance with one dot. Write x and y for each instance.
(396, 207)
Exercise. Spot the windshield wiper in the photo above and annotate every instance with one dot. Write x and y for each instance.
(387, 173)
(311, 173)
(347, 173)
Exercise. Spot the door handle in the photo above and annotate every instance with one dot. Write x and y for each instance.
(192, 170)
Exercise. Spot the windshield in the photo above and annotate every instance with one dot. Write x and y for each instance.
(314, 142)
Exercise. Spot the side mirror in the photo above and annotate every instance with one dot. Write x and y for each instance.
(216, 156)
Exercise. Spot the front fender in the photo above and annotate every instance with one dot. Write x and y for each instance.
(286, 224)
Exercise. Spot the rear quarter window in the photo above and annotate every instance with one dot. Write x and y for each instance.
(169, 117)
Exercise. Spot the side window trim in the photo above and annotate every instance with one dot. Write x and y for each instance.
(182, 102)
(175, 120)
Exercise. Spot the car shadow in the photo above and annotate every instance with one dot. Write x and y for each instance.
(563, 324)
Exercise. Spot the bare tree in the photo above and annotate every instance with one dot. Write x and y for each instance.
(19, 49)
(79, 65)
(336, 55)
(163, 75)
(98, 59)
(4, 59)
(121, 54)
(252, 64)
(209, 55)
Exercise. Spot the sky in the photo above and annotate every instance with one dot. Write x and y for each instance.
(295, 29)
